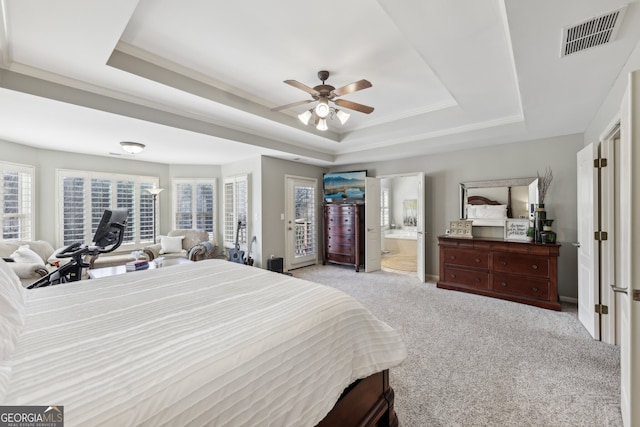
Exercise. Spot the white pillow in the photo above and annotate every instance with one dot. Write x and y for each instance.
(171, 244)
(494, 211)
(24, 254)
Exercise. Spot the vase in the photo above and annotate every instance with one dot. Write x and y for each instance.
(538, 222)
(548, 235)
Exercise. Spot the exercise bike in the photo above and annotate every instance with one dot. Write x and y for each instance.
(108, 238)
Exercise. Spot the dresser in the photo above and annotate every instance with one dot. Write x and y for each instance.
(517, 271)
(344, 234)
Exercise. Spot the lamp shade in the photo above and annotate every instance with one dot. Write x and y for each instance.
(155, 191)
(304, 117)
(322, 124)
(342, 116)
(132, 147)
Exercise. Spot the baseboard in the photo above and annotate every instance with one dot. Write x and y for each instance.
(569, 300)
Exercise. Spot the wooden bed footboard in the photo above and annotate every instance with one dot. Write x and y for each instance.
(365, 403)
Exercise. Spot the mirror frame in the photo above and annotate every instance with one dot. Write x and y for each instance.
(513, 182)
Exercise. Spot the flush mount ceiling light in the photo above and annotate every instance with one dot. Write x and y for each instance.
(324, 94)
(132, 147)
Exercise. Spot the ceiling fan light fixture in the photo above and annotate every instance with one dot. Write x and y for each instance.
(132, 147)
(304, 117)
(342, 116)
(321, 124)
(322, 109)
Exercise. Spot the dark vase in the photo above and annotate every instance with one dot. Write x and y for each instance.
(538, 222)
(549, 236)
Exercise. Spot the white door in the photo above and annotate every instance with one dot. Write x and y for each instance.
(629, 309)
(301, 221)
(609, 219)
(587, 249)
(421, 221)
(372, 225)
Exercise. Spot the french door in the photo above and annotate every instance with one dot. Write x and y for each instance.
(301, 222)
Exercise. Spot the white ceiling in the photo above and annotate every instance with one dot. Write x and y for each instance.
(195, 80)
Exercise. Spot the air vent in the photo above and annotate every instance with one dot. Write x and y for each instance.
(594, 32)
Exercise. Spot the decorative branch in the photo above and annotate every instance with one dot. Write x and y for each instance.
(543, 184)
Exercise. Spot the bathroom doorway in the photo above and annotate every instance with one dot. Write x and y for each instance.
(402, 224)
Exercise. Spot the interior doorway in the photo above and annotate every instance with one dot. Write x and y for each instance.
(402, 224)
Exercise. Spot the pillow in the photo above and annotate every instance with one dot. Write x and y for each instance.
(494, 211)
(12, 298)
(171, 244)
(24, 254)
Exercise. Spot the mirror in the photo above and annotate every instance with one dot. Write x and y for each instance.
(491, 202)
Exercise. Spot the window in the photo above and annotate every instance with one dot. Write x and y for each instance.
(85, 195)
(194, 205)
(384, 207)
(236, 208)
(16, 198)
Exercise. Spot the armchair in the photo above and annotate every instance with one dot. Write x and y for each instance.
(31, 259)
(191, 244)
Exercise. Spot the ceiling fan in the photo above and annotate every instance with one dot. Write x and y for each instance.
(324, 94)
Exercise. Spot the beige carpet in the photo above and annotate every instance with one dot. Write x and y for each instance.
(400, 262)
(475, 361)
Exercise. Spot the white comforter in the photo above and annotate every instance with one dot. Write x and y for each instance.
(212, 342)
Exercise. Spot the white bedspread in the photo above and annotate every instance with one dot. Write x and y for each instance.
(213, 342)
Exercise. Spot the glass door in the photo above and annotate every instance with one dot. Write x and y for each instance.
(301, 222)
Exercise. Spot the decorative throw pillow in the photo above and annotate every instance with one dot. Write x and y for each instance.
(24, 254)
(171, 244)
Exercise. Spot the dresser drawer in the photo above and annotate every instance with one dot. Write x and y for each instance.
(341, 239)
(466, 258)
(341, 210)
(477, 279)
(536, 287)
(341, 249)
(521, 264)
(346, 259)
(340, 220)
(341, 229)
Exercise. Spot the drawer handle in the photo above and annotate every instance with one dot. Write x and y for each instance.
(534, 289)
(503, 284)
(453, 257)
(534, 266)
(477, 259)
(453, 276)
(478, 279)
(503, 262)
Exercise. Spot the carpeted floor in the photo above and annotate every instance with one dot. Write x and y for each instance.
(478, 361)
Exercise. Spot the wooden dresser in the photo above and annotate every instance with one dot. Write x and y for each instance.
(344, 234)
(517, 271)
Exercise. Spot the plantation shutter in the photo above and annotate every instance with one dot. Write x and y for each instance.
(17, 201)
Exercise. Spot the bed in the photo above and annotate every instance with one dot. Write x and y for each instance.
(486, 212)
(208, 343)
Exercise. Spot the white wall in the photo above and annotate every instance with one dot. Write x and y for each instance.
(445, 171)
(608, 111)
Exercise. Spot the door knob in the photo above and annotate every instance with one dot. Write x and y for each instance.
(618, 290)
(577, 244)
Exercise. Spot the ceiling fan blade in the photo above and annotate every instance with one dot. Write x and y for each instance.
(352, 87)
(353, 106)
(302, 86)
(293, 104)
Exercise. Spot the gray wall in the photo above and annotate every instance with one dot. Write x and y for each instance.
(47, 161)
(444, 172)
(273, 203)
